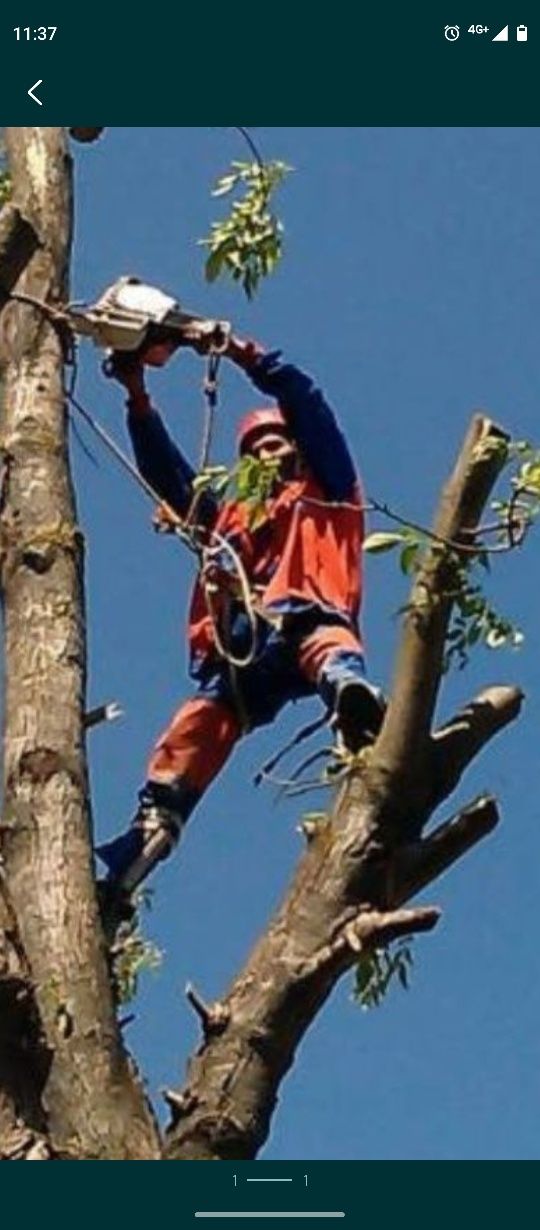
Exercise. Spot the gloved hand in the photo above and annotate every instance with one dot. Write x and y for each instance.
(128, 369)
(165, 520)
(204, 336)
(243, 351)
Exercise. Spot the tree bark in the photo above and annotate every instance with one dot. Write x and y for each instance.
(91, 1103)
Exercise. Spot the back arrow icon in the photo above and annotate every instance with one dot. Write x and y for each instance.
(34, 87)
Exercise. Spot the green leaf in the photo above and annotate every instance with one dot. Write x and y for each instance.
(408, 557)
(214, 265)
(376, 969)
(377, 543)
(225, 185)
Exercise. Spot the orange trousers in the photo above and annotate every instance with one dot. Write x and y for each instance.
(204, 731)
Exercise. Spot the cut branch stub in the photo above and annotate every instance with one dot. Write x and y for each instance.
(423, 862)
(456, 744)
(86, 135)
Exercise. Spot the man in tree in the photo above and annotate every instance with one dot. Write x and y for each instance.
(301, 561)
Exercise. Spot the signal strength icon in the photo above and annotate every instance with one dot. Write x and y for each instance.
(502, 36)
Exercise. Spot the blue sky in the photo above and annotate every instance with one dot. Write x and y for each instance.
(409, 290)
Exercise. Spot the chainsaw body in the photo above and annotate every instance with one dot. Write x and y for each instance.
(131, 316)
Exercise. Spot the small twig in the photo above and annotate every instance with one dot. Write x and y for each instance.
(214, 1017)
(103, 713)
(293, 783)
(126, 1020)
(179, 1103)
(460, 547)
(244, 132)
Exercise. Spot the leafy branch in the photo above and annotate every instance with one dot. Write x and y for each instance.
(475, 620)
(248, 243)
(251, 481)
(131, 954)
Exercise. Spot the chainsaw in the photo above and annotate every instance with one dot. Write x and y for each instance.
(136, 319)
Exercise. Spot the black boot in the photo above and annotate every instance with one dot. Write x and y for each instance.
(151, 837)
(154, 832)
(359, 713)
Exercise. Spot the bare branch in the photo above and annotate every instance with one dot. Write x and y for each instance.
(420, 864)
(457, 743)
(370, 929)
(378, 928)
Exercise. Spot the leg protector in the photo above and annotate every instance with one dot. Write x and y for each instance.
(151, 837)
(153, 834)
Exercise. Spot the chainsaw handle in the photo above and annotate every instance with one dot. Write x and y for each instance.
(128, 369)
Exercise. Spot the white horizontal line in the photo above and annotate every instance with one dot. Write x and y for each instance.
(267, 1214)
(268, 1180)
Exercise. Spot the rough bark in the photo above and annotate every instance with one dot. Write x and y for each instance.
(91, 1103)
(360, 866)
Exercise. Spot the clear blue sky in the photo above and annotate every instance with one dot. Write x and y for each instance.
(410, 291)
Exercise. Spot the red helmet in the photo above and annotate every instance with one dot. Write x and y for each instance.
(270, 418)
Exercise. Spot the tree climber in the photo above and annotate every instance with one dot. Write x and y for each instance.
(303, 564)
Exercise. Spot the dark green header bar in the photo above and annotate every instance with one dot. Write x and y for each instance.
(395, 65)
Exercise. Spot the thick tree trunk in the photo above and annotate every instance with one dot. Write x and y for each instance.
(91, 1104)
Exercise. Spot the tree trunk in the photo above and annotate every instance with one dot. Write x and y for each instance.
(91, 1104)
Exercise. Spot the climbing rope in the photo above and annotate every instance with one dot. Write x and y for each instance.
(208, 545)
(211, 394)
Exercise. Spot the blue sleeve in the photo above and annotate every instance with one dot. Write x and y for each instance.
(163, 465)
(312, 424)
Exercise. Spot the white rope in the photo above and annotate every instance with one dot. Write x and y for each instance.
(208, 554)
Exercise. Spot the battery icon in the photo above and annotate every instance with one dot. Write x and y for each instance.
(521, 34)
